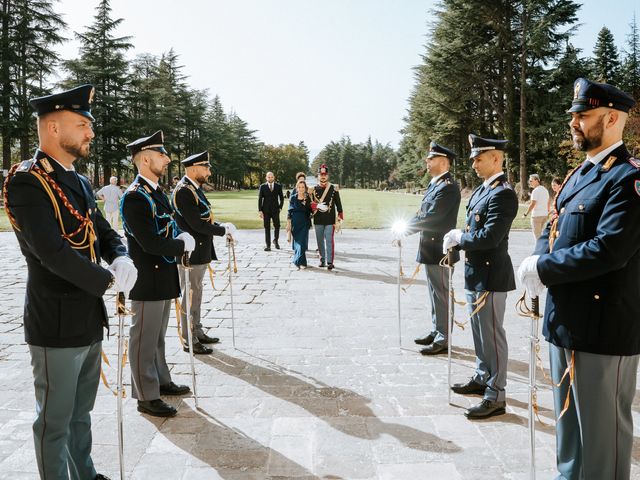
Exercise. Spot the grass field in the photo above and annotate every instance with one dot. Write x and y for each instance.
(363, 209)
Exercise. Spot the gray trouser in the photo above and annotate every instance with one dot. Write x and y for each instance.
(438, 278)
(66, 382)
(594, 437)
(196, 274)
(490, 341)
(149, 367)
(324, 238)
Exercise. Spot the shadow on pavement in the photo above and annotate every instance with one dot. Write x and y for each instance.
(228, 450)
(319, 399)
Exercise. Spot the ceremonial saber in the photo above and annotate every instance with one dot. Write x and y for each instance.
(449, 320)
(121, 310)
(535, 310)
(186, 302)
(399, 292)
(233, 320)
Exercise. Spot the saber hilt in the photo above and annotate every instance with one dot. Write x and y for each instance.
(186, 261)
(535, 306)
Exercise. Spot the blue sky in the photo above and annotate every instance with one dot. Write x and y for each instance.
(302, 69)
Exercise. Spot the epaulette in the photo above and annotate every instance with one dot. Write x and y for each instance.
(634, 161)
(26, 165)
(607, 165)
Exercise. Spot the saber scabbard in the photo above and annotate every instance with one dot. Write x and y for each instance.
(186, 302)
(533, 345)
(450, 306)
(399, 241)
(232, 268)
(121, 311)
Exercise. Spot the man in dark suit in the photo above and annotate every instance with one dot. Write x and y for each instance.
(488, 274)
(154, 244)
(193, 214)
(589, 259)
(63, 236)
(438, 214)
(270, 201)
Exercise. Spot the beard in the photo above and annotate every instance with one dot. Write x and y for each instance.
(585, 143)
(202, 179)
(76, 149)
(158, 169)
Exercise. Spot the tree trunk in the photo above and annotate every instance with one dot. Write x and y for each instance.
(523, 105)
(6, 90)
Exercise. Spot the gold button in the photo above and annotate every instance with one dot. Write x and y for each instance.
(156, 266)
(596, 296)
(580, 207)
(487, 263)
(432, 239)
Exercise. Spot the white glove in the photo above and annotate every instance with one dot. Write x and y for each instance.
(188, 240)
(231, 229)
(529, 278)
(125, 274)
(451, 239)
(323, 207)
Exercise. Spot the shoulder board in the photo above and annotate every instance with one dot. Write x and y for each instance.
(46, 165)
(607, 165)
(25, 166)
(634, 161)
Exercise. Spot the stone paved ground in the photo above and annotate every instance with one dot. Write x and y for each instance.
(317, 387)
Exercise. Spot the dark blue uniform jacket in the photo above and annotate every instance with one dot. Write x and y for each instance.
(150, 230)
(63, 304)
(490, 212)
(193, 214)
(593, 270)
(438, 214)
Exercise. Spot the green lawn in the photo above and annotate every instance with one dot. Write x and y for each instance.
(363, 209)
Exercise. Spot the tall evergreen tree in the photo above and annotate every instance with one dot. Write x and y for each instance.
(30, 28)
(606, 64)
(102, 62)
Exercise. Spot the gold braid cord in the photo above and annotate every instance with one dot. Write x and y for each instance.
(179, 312)
(121, 309)
(553, 232)
(50, 186)
(212, 273)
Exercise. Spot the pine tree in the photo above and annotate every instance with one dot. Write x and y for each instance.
(102, 63)
(30, 28)
(606, 64)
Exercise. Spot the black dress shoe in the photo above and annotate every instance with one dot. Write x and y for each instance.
(434, 349)
(198, 349)
(204, 338)
(101, 477)
(322, 265)
(428, 340)
(156, 408)
(173, 389)
(330, 266)
(470, 388)
(276, 244)
(267, 249)
(485, 409)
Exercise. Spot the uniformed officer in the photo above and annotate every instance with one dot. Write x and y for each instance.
(438, 214)
(63, 236)
(193, 214)
(488, 274)
(154, 244)
(589, 259)
(325, 200)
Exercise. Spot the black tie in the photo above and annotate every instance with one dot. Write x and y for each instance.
(586, 166)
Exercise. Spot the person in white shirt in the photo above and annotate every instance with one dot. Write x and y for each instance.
(111, 194)
(539, 205)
